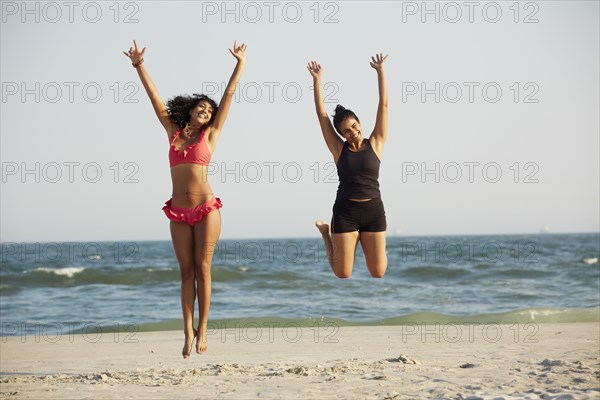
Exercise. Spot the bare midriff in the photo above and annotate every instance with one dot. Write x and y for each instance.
(190, 185)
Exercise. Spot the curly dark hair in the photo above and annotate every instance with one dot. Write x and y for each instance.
(179, 108)
(341, 114)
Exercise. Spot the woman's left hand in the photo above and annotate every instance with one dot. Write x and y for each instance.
(378, 60)
(239, 52)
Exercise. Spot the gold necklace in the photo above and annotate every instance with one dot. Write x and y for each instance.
(189, 131)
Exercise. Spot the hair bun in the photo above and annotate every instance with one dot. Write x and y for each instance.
(341, 113)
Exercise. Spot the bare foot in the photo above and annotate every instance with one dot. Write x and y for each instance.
(187, 347)
(322, 226)
(201, 343)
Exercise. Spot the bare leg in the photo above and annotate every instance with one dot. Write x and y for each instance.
(183, 245)
(206, 235)
(373, 244)
(340, 248)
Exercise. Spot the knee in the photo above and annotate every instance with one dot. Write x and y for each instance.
(203, 272)
(187, 273)
(342, 274)
(377, 274)
(378, 270)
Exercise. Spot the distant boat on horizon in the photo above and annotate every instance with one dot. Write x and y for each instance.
(544, 229)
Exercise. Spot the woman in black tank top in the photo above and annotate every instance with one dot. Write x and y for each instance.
(358, 212)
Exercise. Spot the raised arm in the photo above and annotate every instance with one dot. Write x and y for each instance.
(333, 141)
(137, 58)
(381, 124)
(213, 132)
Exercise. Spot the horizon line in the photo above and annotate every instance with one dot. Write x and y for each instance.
(2, 242)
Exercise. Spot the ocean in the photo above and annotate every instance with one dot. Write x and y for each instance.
(433, 279)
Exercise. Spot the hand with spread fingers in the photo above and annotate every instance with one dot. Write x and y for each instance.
(315, 69)
(377, 61)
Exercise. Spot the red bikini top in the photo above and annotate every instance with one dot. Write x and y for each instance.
(196, 153)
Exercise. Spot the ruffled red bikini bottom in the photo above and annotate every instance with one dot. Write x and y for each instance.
(191, 215)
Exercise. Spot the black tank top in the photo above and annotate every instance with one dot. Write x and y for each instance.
(358, 173)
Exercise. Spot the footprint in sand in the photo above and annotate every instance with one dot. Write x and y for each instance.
(402, 359)
(297, 371)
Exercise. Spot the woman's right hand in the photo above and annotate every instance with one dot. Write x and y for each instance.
(315, 69)
(134, 54)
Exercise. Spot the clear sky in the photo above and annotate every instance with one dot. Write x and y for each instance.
(493, 114)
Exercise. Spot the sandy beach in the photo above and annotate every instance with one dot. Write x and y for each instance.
(549, 361)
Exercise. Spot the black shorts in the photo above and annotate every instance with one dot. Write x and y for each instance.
(364, 216)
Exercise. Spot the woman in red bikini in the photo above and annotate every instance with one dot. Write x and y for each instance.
(193, 125)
